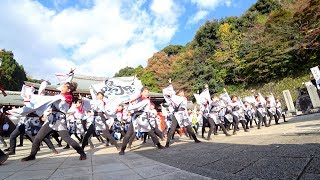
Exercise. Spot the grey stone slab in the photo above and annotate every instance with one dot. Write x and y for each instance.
(180, 175)
(52, 160)
(37, 166)
(141, 162)
(86, 177)
(23, 175)
(101, 160)
(275, 168)
(109, 168)
(118, 175)
(236, 162)
(215, 174)
(70, 172)
(76, 163)
(314, 166)
(295, 150)
(129, 157)
(4, 175)
(16, 165)
(307, 176)
(155, 170)
(261, 148)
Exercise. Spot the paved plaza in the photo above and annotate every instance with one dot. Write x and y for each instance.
(287, 151)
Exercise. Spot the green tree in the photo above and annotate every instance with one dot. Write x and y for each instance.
(172, 49)
(127, 71)
(12, 74)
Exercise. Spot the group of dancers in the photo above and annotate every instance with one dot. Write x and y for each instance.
(63, 115)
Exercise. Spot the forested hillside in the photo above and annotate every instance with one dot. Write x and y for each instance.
(271, 41)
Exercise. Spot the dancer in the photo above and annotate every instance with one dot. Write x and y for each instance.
(180, 115)
(238, 115)
(99, 121)
(261, 110)
(215, 117)
(279, 110)
(140, 108)
(56, 119)
(271, 110)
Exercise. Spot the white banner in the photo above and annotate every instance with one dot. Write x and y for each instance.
(316, 74)
(203, 97)
(225, 96)
(120, 89)
(250, 99)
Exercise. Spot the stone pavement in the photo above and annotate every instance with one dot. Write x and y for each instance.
(287, 151)
(102, 163)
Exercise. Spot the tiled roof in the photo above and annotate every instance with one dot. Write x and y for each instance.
(84, 83)
(12, 98)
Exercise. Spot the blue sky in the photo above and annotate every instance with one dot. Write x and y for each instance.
(99, 37)
(186, 31)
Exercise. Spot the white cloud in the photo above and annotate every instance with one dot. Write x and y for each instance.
(99, 40)
(228, 3)
(197, 17)
(211, 4)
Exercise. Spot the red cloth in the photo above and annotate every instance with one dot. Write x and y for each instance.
(80, 110)
(68, 98)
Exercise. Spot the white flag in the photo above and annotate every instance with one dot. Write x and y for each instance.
(203, 97)
(64, 78)
(316, 74)
(42, 87)
(225, 96)
(118, 89)
(250, 99)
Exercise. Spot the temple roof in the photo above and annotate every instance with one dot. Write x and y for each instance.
(83, 81)
(12, 98)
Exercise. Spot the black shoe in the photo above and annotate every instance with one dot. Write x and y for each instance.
(197, 141)
(28, 158)
(6, 150)
(277, 123)
(228, 134)
(3, 158)
(246, 130)
(11, 153)
(107, 144)
(121, 152)
(20, 145)
(67, 147)
(167, 145)
(160, 146)
(83, 157)
(59, 145)
(285, 121)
